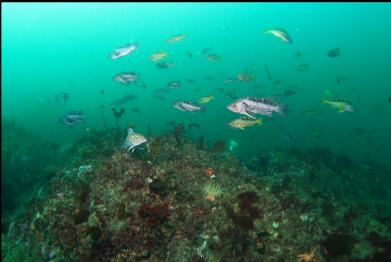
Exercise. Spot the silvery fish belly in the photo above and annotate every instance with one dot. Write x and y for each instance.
(126, 77)
(133, 139)
(123, 51)
(72, 118)
(187, 106)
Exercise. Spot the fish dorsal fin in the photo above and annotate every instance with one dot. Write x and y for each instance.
(267, 100)
(256, 99)
(191, 103)
(130, 131)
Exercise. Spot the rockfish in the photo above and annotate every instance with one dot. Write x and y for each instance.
(206, 99)
(241, 123)
(158, 56)
(123, 100)
(342, 106)
(132, 140)
(123, 51)
(187, 106)
(280, 33)
(72, 118)
(255, 105)
(176, 38)
(126, 78)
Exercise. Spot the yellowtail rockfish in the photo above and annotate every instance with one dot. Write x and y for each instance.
(241, 123)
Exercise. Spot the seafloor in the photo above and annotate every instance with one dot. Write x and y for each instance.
(179, 200)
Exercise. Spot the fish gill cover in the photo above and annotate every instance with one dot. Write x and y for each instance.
(191, 131)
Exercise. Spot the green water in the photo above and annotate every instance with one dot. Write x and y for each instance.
(50, 48)
(71, 194)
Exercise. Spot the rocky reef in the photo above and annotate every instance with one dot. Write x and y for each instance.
(177, 201)
(27, 161)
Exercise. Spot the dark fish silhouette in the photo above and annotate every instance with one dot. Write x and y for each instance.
(174, 84)
(334, 52)
(302, 67)
(136, 110)
(298, 55)
(72, 118)
(170, 123)
(205, 51)
(209, 78)
(61, 98)
(123, 100)
(165, 64)
(160, 97)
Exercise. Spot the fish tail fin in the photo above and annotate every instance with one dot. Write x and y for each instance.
(260, 121)
(282, 109)
(323, 101)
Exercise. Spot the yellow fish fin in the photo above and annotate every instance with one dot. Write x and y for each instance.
(260, 121)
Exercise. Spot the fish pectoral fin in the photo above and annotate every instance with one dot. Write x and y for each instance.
(247, 113)
(250, 116)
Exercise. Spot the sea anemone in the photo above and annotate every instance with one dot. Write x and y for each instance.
(212, 191)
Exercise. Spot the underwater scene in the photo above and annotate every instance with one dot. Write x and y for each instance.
(196, 132)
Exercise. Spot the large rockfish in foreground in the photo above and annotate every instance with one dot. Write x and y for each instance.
(256, 105)
(132, 140)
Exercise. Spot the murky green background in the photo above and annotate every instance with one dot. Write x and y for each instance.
(50, 48)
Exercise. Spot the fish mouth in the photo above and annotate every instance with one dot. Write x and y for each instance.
(231, 107)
